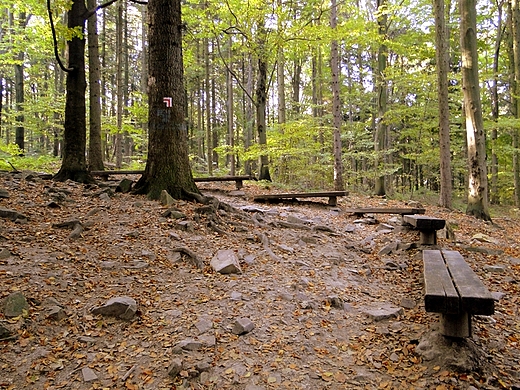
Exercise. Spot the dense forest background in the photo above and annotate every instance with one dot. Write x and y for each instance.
(358, 74)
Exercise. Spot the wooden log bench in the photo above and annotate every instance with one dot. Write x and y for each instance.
(239, 180)
(385, 210)
(455, 291)
(332, 195)
(427, 227)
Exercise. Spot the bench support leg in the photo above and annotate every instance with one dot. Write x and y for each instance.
(333, 201)
(428, 237)
(239, 184)
(456, 325)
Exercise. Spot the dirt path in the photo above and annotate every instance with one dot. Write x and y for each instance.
(313, 284)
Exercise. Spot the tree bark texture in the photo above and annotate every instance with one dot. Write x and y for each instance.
(515, 27)
(74, 165)
(336, 104)
(168, 166)
(444, 109)
(95, 153)
(476, 141)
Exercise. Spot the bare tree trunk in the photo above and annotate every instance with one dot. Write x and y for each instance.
(381, 101)
(336, 104)
(444, 108)
(119, 86)
(95, 154)
(515, 20)
(478, 186)
(230, 112)
(207, 92)
(19, 91)
(495, 107)
(168, 166)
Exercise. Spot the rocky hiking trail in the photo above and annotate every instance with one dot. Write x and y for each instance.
(105, 290)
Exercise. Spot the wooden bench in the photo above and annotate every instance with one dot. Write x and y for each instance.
(455, 291)
(239, 180)
(385, 210)
(427, 227)
(332, 195)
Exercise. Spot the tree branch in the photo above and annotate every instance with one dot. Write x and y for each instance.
(91, 12)
(55, 41)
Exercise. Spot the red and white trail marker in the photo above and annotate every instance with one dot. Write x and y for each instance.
(168, 101)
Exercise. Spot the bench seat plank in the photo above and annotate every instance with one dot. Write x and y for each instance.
(332, 195)
(475, 297)
(441, 295)
(423, 222)
(385, 210)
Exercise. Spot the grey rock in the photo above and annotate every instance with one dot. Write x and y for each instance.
(249, 259)
(175, 367)
(203, 366)
(242, 326)
(88, 374)
(14, 304)
(188, 345)
(387, 249)
(186, 226)
(497, 296)
(225, 261)
(495, 269)
(119, 307)
(124, 186)
(235, 296)
(382, 311)
(237, 193)
(4, 194)
(4, 332)
(4, 253)
(408, 303)
(208, 340)
(203, 325)
(104, 197)
(55, 313)
(11, 214)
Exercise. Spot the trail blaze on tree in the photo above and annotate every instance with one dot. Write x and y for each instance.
(167, 167)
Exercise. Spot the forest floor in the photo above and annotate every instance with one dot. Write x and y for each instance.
(314, 282)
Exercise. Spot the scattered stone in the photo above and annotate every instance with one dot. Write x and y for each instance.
(175, 367)
(4, 194)
(88, 374)
(242, 326)
(120, 307)
(124, 186)
(4, 253)
(408, 303)
(495, 269)
(382, 311)
(55, 313)
(208, 340)
(11, 214)
(186, 226)
(235, 296)
(173, 213)
(204, 325)
(335, 302)
(249, 259)
(188, 345)
(14, 304)
(384, 228)
(350, 228)
(389, 248)
(497, 296)
(481, 237)
(237, 193)
(225, 261)
(105, 197)
(87, 339)
(4, 332)
(203, 366)
(391, 265)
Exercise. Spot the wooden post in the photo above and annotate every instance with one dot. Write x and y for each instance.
(456, 325)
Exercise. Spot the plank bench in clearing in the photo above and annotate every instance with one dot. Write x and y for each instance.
(385, 210)
(455, 291)
(239, 180)
(332, 195)
(427, 227)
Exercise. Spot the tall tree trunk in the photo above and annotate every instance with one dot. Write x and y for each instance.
(261, 125)
(19, 91)
(336, 103)
(207, 92)
(95, 154)
(476, 141)
(444, 108)
(74, 165)
(515, 27)
(495, 108)
(230, 112)
(119, 86)
(248, 111)
(168, 166)
(381, 99)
